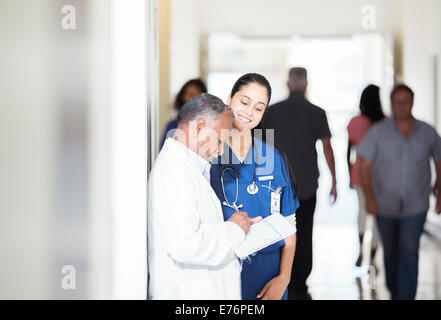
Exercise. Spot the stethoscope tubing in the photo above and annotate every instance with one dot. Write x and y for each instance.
(225, 167)
(236, 174)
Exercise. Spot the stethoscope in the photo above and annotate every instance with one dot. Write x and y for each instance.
(236, 174)
(252, 188)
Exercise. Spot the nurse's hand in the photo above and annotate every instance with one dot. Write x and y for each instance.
(274, 289)
(242, 220)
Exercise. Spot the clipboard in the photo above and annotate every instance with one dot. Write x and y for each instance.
(263, 234)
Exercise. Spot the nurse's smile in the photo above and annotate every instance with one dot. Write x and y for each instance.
(243, 119)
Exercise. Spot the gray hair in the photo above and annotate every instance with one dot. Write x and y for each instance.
(298, 79)
(204, 105)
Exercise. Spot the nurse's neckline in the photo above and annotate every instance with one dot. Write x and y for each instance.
(248, 143)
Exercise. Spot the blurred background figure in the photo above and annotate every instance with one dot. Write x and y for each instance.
(298, 124)
(396, 179)
(371, 111)
(191, 89)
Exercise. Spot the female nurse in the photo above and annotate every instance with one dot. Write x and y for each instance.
(262, 184)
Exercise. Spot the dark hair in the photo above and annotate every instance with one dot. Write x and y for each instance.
(401, 87)
(298, 79)
(205, 105)
(370, 104)
(249, 78)
(179, 101)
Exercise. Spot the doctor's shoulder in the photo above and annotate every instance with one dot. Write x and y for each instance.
(171, 173)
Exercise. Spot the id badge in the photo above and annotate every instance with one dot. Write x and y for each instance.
(275, 202)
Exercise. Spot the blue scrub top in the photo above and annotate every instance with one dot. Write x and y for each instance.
(265, 265)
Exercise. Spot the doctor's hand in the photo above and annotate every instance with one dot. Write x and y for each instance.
(274, 289)
(242, 220)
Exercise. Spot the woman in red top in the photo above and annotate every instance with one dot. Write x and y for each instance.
(371, 111)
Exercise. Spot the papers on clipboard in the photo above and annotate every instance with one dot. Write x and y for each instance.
(263, 234)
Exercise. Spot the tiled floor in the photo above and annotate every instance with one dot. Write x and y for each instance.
(335, 275)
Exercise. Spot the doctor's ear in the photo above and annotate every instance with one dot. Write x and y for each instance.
(229, 99)
(200, 124)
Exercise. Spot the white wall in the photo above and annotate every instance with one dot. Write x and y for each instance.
(184, 43)
(422, 41)
(290, 17)
(99, 128)
(27, 141)
(73, 139)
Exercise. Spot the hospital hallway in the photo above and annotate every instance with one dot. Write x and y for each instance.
(88, 89)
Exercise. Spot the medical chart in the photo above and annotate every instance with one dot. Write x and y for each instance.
(268, 231)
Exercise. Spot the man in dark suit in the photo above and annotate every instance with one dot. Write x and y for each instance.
(298, 124)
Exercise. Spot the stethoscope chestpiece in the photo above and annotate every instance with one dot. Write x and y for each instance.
(252, 188)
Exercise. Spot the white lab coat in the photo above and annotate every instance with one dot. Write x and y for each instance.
(190, 247)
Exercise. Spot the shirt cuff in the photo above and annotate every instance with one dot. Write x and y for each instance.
(292, 219)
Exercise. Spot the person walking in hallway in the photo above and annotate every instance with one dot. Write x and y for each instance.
(396, 179)
(371, 111)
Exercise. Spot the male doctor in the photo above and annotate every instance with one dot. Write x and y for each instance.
(190, 246)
